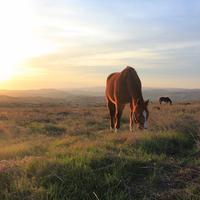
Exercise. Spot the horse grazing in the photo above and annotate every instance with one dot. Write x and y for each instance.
(165, 99)
(122, 88)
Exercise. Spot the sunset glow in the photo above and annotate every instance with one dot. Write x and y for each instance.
(15, 39)
(71, 40)
(19, 38)
(7, 73)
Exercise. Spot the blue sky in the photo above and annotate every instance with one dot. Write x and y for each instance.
(87, 40)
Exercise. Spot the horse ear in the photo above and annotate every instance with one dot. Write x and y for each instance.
(147, 102)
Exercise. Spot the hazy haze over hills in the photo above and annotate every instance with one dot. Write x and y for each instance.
(151, 93)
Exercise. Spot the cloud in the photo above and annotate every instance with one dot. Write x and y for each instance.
(90, 39)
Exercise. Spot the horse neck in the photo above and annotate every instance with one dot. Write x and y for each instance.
(138, 96)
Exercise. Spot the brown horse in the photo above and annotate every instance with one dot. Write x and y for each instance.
(122, 88)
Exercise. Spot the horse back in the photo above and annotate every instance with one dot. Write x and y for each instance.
(123, 87)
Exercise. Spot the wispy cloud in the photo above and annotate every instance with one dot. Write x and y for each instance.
(93, 38)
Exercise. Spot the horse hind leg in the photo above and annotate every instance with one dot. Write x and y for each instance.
(112, 109)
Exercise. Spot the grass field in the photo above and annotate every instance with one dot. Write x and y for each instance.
(66, 151)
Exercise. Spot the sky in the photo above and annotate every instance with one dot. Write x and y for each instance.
(75, 43)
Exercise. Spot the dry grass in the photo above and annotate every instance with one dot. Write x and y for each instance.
(62, 151)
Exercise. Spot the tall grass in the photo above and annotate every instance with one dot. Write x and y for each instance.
(61, 152)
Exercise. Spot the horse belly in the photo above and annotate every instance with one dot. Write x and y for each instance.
(122, 95)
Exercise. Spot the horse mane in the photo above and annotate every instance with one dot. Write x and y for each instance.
(134, 81)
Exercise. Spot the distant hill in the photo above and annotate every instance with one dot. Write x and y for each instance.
(98, 93)
(174, 94)
(153, 94)
(48, 93)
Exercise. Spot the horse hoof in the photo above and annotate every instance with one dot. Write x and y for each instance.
(131, 130)
(116, 130)
(111, 129)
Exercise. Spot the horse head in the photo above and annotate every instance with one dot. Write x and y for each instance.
(141, 114)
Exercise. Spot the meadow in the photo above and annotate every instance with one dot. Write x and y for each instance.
(61, 150)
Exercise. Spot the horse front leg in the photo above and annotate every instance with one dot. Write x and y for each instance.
(131, 121)
(118, 114)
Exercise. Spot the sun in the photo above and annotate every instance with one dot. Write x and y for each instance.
(7, 73)
(15, 36)
(20, 38)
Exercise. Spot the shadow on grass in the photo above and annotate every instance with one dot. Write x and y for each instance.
(179, 141)
(107, 177)
(169, 143)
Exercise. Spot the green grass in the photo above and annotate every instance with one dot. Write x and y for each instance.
(73, 156)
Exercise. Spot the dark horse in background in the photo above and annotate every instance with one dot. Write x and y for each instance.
(122, 88)
(165, 99)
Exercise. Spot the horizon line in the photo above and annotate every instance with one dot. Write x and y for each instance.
(82, 88)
